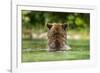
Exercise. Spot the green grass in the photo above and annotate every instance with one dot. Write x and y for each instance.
(80, 51)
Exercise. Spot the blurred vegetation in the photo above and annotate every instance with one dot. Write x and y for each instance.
(39, 19)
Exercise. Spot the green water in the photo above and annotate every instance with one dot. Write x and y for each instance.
(80, 51)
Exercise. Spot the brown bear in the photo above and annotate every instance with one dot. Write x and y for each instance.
(57, 37)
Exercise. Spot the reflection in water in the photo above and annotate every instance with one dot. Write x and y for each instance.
(37, 51)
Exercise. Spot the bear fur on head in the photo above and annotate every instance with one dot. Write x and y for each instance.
(56, 36)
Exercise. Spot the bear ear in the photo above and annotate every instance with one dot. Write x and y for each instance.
(64, 26)
(49, 25)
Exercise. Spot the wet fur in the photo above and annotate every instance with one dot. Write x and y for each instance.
(57, 36)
